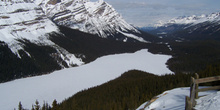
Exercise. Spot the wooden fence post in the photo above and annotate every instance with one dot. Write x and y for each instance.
(192, 92)
(188, 104)
(196, 87)
(191, 87)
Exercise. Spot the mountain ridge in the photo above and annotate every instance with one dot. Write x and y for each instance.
(188, 28)
(193, 20)
(25, 22)
(21, 19)
(97, 18)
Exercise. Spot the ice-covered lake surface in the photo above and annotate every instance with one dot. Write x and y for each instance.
(64, 83)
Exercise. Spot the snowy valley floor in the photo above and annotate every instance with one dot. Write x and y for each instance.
(62, 84)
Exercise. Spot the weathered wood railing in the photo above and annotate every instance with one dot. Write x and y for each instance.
(190, 101)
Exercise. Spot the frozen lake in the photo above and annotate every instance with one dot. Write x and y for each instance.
(64, 83)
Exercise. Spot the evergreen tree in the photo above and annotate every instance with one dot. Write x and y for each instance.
(37, 106)
(32, 107)
(44, 106)
(20, 106)
(54, 105)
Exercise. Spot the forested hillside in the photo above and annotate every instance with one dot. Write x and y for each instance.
(130, 90)
(193, 56)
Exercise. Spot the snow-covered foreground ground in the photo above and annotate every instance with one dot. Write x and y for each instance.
(65, 83)
(175, 100)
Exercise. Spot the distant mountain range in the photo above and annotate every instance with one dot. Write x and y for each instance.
(193, 41)
(193, 20)
(188, 27)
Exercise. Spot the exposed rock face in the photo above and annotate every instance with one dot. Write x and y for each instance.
(91, 17)
(53, 2)
(24, 22)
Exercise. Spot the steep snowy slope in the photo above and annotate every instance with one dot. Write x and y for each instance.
(25, 22)
(25, 31)
(98, 18)
(22, 20)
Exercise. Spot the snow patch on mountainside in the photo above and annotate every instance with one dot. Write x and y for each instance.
(69, 58)
(133, 36)
(62, 84)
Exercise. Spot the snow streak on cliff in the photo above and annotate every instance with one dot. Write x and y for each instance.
(98, 18)
(22, 21)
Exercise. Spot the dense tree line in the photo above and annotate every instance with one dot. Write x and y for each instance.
(92, 46)
(37, 106)
(193, 56)
(13, 67)
(127, 92)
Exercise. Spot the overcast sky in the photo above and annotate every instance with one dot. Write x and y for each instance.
(147, 12)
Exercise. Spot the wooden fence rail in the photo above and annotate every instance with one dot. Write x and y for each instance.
(190, 101)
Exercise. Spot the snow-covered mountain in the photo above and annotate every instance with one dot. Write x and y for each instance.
(28, 20)
(25, 42)
(98, 18)
(22, 21)
(190, 27)
(214, 17)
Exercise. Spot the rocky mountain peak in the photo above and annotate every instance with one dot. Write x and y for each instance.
(97, 18)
